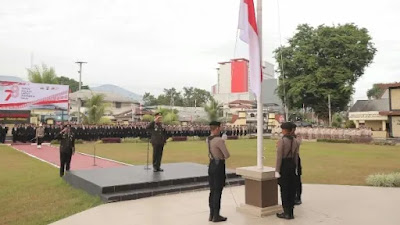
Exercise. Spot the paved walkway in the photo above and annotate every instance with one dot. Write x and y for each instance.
(323, 204)
(79, 161)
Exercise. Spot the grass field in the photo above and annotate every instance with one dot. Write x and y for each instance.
(31, 192)
(323, 163)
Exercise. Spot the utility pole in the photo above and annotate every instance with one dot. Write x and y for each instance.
(330, 111)
(80, 87)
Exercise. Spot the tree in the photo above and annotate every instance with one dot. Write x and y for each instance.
(148, 118)
(323, 61)
(96, 108)
(73, 84)
(149, 99)
(201, 96)
(42, 75)
(213, 109)
(337, 120)
(375, 92)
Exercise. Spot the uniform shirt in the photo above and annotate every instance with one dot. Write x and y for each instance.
(218, 148)
(40, 132)
(283, 149)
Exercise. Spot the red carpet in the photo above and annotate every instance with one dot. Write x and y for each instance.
(79, 161)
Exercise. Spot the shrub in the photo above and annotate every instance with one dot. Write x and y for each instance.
(384, 142)
(350, 124)
(384, 180)
(335, 141)
(131, 140)
(78, 141)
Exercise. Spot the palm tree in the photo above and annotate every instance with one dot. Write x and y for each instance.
(213, 109)
(43, 75)
(96, 108)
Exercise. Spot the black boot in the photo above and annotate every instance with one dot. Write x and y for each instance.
(217, 217)
(211, 215)
(291, 215)
(285, 214)
(297, 202)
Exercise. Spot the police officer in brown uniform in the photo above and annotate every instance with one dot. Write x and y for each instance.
(286, 169)
(217, 153)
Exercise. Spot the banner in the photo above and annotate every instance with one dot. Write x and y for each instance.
(28, 96)
(14, 116)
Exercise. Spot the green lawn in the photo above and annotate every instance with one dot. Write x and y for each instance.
(323, 163)
(31, 191)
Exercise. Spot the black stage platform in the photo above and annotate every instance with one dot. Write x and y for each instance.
(134, 182)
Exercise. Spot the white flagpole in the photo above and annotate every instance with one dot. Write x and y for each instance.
(260, 117)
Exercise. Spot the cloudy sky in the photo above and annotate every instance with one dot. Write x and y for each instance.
(150, 45)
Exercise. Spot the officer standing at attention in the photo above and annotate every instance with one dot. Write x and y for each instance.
(217, 153)
(39, 136)
(158, 140)
(286, 169)
(299, 185)
(67, 148)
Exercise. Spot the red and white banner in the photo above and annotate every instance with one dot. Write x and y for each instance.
(28, 96)
(249, 34)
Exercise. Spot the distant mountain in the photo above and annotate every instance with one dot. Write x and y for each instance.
(11, 78)
(118, 90)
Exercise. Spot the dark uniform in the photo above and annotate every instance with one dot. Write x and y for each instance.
(158, 139)
(218, 153)
(286, 165)
(67, 149)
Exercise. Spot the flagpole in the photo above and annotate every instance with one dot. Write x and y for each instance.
(260, 116)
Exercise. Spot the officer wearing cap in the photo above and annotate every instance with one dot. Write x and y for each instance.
(217, 153)
(67, 148)
(158, 140)
(286, 169)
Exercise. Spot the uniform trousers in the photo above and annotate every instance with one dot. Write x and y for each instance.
(287, 182)
(216, 180)
(65, 162)
(157, 155)
(39, 140)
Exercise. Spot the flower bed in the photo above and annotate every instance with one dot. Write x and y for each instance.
(179, 138)
(111, 140)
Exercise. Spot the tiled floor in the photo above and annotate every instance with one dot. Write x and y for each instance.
(323, 204)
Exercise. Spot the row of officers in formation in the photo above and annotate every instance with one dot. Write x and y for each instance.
(359, 134)
(27, 132)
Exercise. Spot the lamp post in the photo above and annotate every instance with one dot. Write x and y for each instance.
(80, 87)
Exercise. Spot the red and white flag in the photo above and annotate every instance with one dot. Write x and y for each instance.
(249, 34)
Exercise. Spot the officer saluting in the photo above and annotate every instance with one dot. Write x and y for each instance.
(158, 140)
(67, 148)
(216, 171)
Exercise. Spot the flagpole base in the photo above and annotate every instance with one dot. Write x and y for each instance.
(261, 191)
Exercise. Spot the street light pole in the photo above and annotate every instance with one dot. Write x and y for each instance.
(80, 87)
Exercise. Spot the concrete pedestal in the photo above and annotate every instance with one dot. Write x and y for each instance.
(261, 191)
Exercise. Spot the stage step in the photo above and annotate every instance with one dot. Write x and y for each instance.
(133, 182)
(149, 192)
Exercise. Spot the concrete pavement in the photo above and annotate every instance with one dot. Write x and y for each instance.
(322, 204)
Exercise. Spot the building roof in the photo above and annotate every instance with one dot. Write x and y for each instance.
(389, 113)
(108, 96)
(386, 86)
(370, 105)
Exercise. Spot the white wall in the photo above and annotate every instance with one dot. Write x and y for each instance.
(224, 78)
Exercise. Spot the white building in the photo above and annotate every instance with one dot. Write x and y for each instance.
(116, 103)
(233, 82)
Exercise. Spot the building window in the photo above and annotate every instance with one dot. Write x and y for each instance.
(118, 105)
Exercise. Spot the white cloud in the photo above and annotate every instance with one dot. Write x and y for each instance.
(151, 45)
